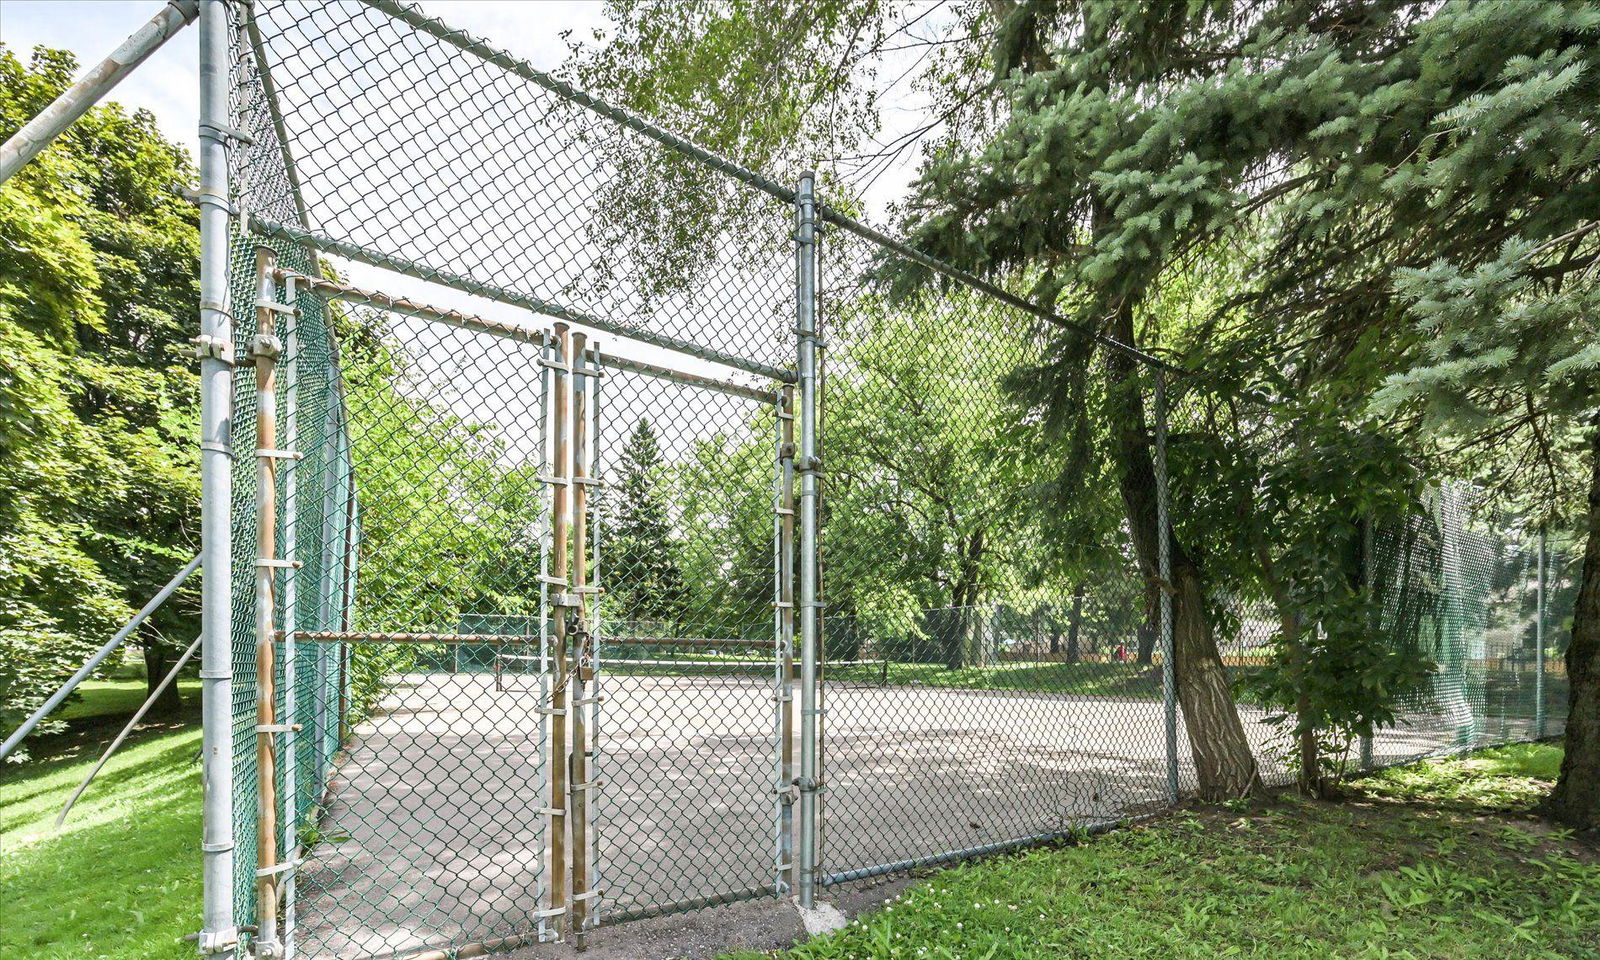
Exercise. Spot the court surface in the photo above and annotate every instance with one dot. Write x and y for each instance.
(431, 835)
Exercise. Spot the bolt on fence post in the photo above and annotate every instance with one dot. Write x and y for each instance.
(1169, 671)
(1538, 636)
(808, 468)
(219, 936)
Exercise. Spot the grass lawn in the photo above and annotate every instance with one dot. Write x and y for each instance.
(118, 698)
(1432, 861)
(1088, 679)
(121, 879)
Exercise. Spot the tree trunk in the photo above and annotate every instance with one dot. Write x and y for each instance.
(156, 665)
(1576, 798)
(1075, 624)
(1225, 767)
(964, 597)
(1147, 634)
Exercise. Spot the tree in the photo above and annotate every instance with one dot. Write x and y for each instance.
(97, 286)
(1362, 156)
(644, 578)
(722, 494)
(926, 472)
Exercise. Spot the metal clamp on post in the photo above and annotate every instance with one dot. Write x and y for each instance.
(215, 942)
(212, 446)
(221, 133)
(202, 197)
(276, 307)
(566, 600)
(278, 868)
(281, 454)
(213, 348)
(267, 949)
(808, 465)
(277, 728)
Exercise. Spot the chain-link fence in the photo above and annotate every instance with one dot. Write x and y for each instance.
(608, 543)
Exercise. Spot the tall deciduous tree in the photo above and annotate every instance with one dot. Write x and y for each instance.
(97, 287)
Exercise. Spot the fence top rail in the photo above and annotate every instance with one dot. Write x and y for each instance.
(431, 274)
(538, 336)
(413, 16)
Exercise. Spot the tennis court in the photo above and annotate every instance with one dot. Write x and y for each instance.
(434, 829)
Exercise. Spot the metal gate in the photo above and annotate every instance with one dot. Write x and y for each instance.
(525, 751)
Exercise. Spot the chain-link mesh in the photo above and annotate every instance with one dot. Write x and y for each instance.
(476, 765)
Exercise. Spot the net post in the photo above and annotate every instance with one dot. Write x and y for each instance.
(560, 751)
(219, 933)
(264, 353)
(1543, 560)
(808, 468)
(783, 567)
(1169, 665)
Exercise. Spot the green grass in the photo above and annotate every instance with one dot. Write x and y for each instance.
(1388, 874)
(1087, 679)
(121, 878)
(117, 698)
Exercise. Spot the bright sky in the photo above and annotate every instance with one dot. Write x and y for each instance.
(168, 83)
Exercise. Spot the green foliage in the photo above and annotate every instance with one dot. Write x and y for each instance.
(447, 516)
(1302, 881)
(644, 575)
(97, 413)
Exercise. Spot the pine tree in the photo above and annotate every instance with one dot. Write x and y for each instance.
(644, 578)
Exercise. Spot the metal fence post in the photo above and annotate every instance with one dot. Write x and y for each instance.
(808, 467)
(1169, 674)
(783, 608)
(1367, 584)
(1538, 635)
(218, 934)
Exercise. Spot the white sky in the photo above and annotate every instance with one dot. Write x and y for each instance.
(168, 83)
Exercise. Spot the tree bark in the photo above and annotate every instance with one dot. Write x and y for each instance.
(1225, 766)
(1576, 798)
(1076, 623)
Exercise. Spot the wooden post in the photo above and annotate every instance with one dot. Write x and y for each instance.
(578, 809)
(264, 351)
(560, 477)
